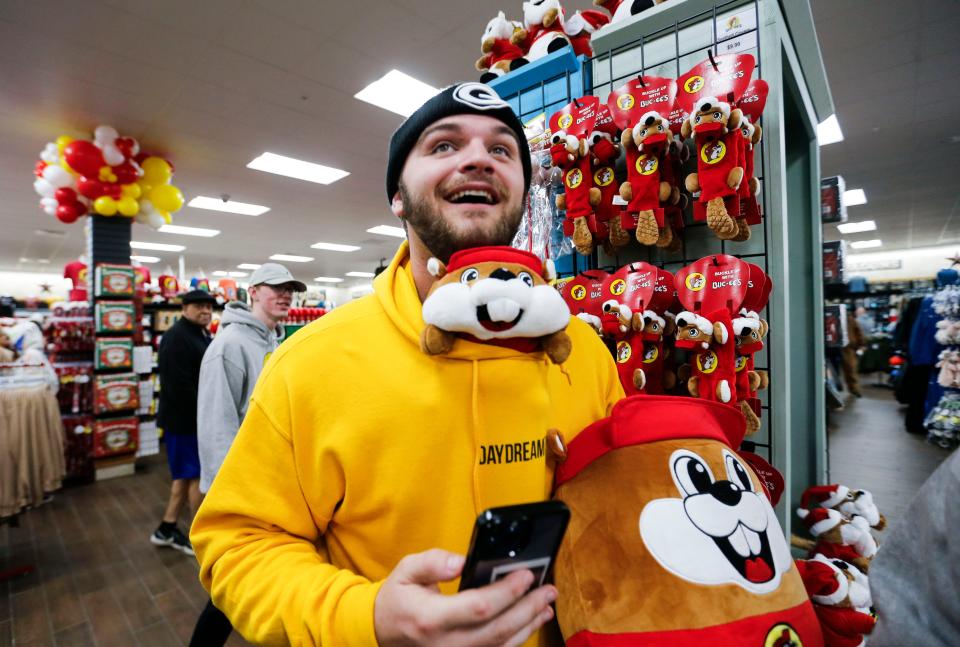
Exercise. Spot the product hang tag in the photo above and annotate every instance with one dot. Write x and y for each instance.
(754, 99)
(712, 283)
(759, 287)
(632, 285)
(770, 477)
(577, 118)
(676, 117)
(584, 292)
(664, 294)
(727, 82)
(629, 102)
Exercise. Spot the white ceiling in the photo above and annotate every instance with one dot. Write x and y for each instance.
(213, 84)
(894, 71)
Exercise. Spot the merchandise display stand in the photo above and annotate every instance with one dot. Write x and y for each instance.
(666, 41)
(115, 433)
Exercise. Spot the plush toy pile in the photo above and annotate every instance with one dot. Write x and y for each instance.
(840, 519)
(943, 420)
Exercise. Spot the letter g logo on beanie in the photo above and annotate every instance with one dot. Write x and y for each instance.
(479, 96)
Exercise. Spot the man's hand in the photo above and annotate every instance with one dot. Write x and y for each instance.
(410, 610)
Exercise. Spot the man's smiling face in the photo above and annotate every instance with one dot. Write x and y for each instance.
(462, 185)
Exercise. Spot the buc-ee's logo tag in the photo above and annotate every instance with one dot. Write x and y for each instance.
(713, 152)
(695, 282)
(578, 293)
(647, 164)
(603, 176)
(623, 352)
(707, 362)
(565, 121)
(693, 84)
(574, 178)
(650, 355)
(781, 635)
(741, 363)
(625, 101)
(618, 287)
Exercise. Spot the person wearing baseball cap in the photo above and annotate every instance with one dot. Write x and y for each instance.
(247, 336)
(346, 503)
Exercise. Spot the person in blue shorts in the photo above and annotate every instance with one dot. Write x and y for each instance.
(179, 357)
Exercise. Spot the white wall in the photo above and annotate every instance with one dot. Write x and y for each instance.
(918, 263)
(22, 285)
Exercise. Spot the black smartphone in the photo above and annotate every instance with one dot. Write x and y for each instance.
(514, 537)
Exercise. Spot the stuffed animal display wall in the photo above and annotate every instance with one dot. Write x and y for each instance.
(689, 551)
(496, 295)
(500, 46)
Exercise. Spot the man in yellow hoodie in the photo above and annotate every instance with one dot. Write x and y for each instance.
(342, 512)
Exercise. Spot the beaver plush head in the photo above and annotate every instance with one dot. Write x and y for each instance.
(492, 294)
(712, 119)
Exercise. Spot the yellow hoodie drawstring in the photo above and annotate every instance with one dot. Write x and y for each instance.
(474, 431)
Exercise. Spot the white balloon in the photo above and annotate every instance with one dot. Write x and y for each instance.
(43, 188)
(50, 211)
(142, 218)
(48, 202)
(104, 135)
(50, 154)
(156, 221)
(112, 155)
(146, 207)
(57, 176)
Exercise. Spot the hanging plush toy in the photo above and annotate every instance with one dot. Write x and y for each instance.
(713, 126)
(543, 21)
(846, 501)
(497, 295)
(620, 10)
(712, 369)
(571, 128)
(646, 143)
(841, 599)
(580, 28)
(500, 45)
(750, 135)
(671, 170)
(604, 152)
(656, 378)
(749, 330)
(838, 538)
(672, 540)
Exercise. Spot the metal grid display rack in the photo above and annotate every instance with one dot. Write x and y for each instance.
(666, 41)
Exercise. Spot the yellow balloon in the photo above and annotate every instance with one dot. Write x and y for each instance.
(166, 197)
(105, 205)
(62, 142)
(131, 190)
(155, 171)
(145, 187)
(66, 167)
(166, 217)
(128, 206)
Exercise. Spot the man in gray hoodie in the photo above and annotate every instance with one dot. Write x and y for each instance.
(231, 365)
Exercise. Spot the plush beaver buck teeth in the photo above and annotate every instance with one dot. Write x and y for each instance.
(472, 197)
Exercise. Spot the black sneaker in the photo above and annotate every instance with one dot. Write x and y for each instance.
(172, 538)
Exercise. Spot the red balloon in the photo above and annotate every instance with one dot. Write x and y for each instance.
(127, 172)
(141, 156)
(92, 189)
(67, 213)
(65, 195)
(115, 191)
(84, 158)
(38, 168)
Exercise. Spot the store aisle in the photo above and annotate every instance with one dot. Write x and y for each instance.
(869, 449)
(98, 580)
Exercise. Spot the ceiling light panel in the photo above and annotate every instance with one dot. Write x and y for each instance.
(853, 197)
(327, 279)
(335, 247)
(828, 131)
(387, 230)
(189, 231)
(291, 258)
(248, 266)
(144, 259)
(397, 92)
(297, 169)
(866, 244)
(857, 227)
(360, 275)
(157, 247)
(227, 206)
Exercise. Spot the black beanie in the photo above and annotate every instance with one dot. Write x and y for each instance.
(469, 98)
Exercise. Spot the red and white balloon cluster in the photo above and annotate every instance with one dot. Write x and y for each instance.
(108, 176)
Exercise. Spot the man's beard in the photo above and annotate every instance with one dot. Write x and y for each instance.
(443, 240)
